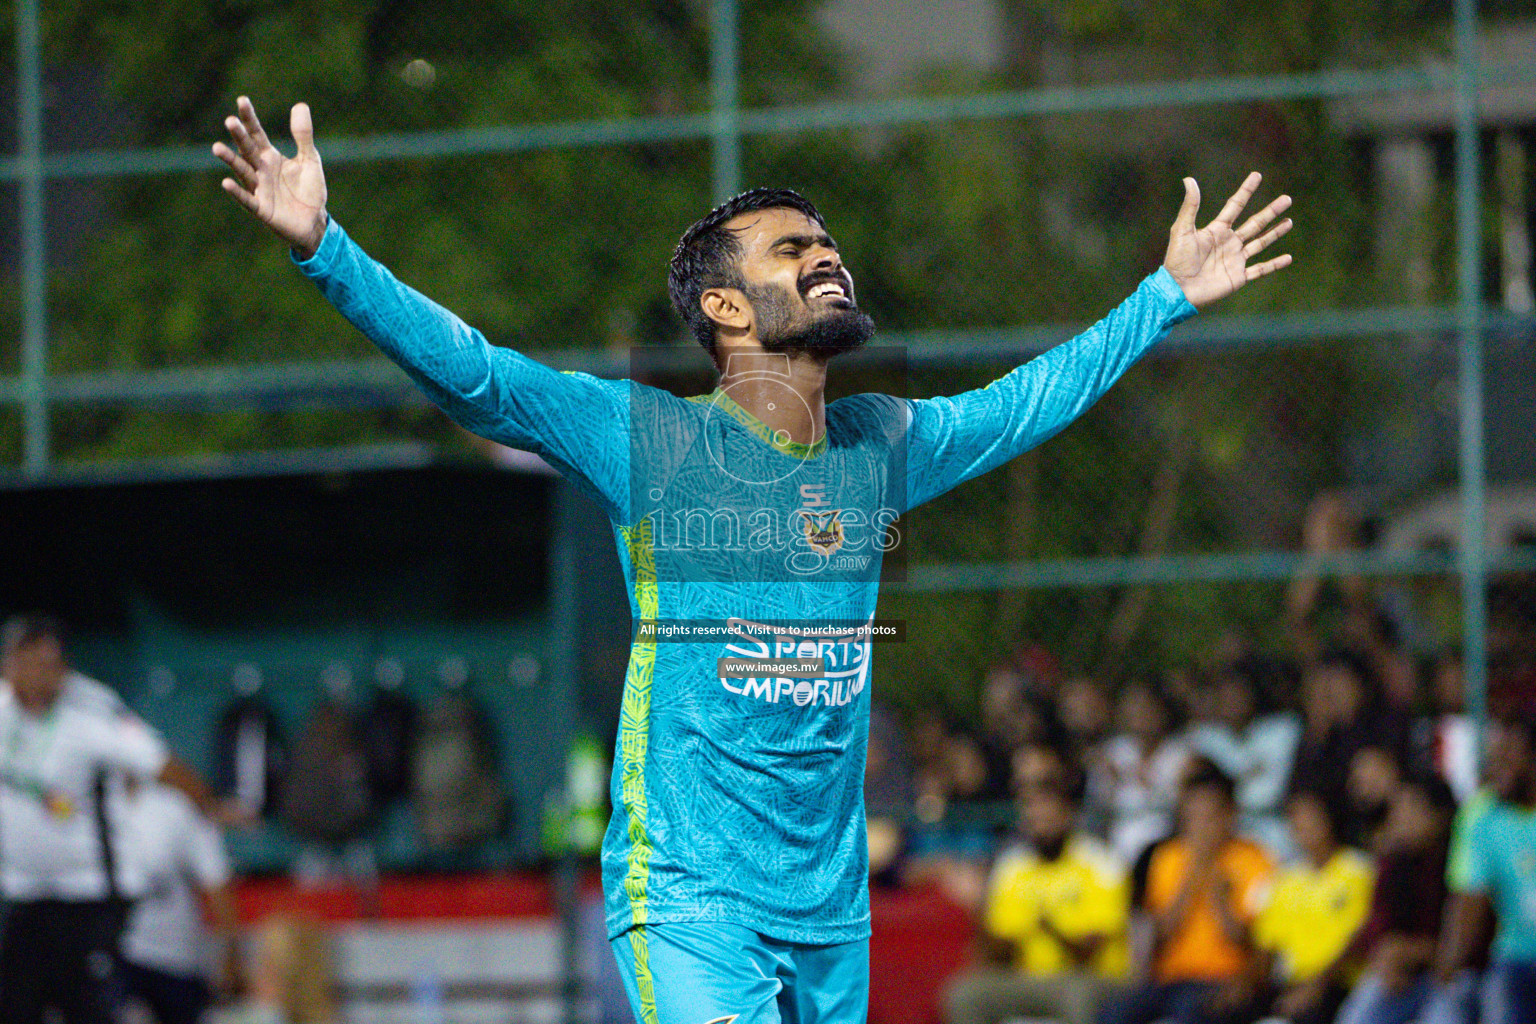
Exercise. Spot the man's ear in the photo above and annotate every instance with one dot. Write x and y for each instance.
(726, 307)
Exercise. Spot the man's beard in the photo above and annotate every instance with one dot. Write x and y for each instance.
(1050, 848)
(837, 330)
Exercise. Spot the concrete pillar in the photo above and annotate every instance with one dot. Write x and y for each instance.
(1514, 223)
(1405, 180)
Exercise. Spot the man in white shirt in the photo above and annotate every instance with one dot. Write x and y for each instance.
(1256, 749)
(58, 875)
(166, 948)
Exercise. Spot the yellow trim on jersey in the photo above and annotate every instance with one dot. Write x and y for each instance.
(725, 403)
(645, 985)
(635, 722)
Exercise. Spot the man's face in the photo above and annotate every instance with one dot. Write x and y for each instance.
(1207, 818)
(1047, 815)
(801, 295)
(1309, 823)
(1235, 701)
(1509, 762)
(36, 671)
(1040, 779)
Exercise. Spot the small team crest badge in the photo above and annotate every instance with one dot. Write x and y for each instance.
(823, 530)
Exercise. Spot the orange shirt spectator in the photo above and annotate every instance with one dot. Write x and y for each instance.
(1200, 949)
(1204, 889)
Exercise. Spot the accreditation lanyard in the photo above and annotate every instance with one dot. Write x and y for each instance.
(22, 766)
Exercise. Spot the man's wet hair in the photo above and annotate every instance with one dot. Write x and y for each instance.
(1523, 720)
(1358, 664)
(1334, 811)
(1070, 782)
(1431, 785)
(23, 630)
(1206, 774)
(709, 255)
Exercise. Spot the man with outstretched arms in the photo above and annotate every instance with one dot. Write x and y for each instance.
(750, 523)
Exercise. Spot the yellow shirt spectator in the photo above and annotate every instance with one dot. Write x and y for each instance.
(1314, 912)
(1081, 893)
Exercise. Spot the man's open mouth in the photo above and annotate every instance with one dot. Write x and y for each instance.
(827, 290)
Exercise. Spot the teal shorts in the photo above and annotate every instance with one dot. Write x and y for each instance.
(709, 973)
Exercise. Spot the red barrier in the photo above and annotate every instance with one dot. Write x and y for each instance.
(920, 937)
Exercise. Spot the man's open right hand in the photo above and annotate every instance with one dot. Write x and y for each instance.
(286, 193)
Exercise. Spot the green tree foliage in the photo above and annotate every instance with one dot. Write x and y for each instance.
(954, 227)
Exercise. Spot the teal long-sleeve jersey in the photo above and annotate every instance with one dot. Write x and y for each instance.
(751, 561)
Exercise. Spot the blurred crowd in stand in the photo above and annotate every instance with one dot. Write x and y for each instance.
(1301, 835)
(116, 897)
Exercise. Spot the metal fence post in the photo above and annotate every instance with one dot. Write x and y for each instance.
(34, 264)
(724, 88)
(564, 667)
(1472, 468)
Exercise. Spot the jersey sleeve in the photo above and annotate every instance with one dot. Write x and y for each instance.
(1004, 916)
(125, 743)
(1465, 870)
(1106, 899)
(951, 440)
(1474, 871)
(575, 421)
(206, 860)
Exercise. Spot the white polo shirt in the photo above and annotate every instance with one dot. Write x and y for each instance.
(179, 853)
(50, 844)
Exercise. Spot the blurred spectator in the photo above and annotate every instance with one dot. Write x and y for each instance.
(1373, 631)
(249, 752)
(1342, 713)
(61, 875)
(1310, 919)
(1398, 938)
(1204, 888)
(930, 768)
(455, 771)
(1138, 783)
(1497, 878)
(1086, 716)
(949, 769)
(326, 794)
(1055, 910)
(1374, 776)
(291, 978)
(1010, 716)
(387, 729)
(1041, 669)
(948, 766)
(1457, 990)
(1181, 685)
(887, 794)
(1447, 736)
(1254, 747)
(165, 947)
(1318, 604)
